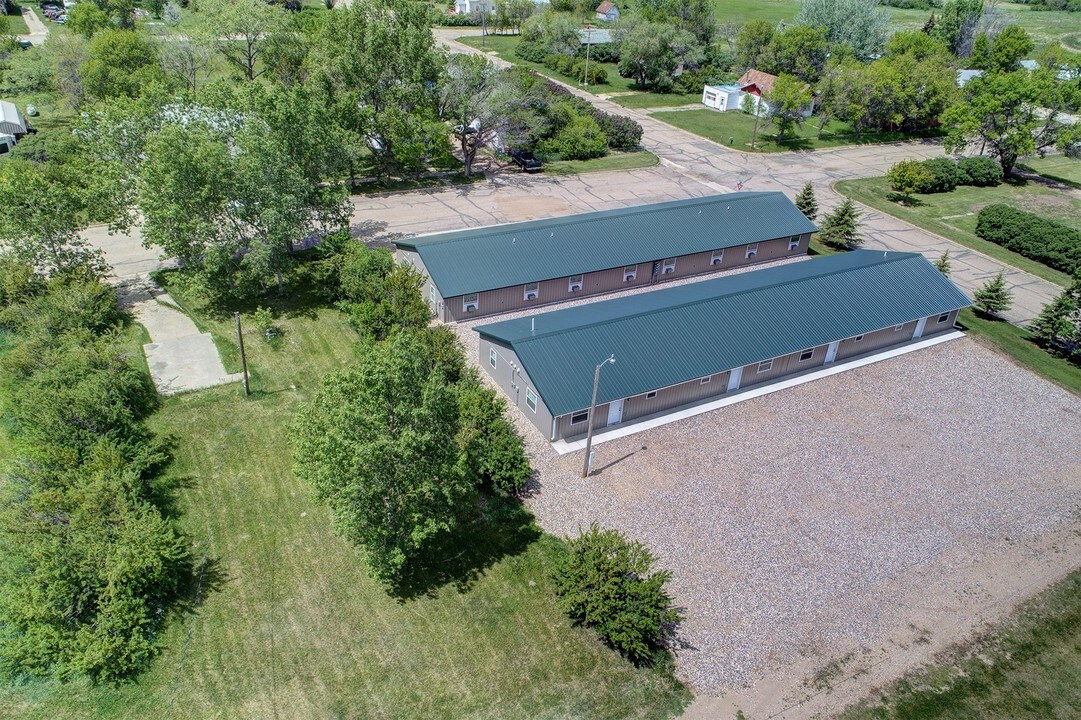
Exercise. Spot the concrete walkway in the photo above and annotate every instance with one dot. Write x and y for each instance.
(38, 32)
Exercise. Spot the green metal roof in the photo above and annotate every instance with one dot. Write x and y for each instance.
(670, 336)
(469, 261)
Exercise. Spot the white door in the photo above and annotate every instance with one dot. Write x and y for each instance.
(734, 378)
(615, 412)
(831, 352)
(919, 328)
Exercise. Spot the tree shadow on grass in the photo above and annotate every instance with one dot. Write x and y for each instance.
(500, 527)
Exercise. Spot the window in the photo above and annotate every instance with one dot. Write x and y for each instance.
(858, 338)
(806, 354)
(531, 400)
(630, 273)
(793, 242)
(574, 283)
(492, 355)
(532, 291)
(765, 366)
(897, 328)
(579, 417)
(717, 258)
(431, 292)
(943, 317)
(669, 266)
(752, 250)
(705, 380)
(470, 302)
(651, 395)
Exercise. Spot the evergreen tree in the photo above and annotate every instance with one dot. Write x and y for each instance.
(943, 263)
(840, 228)
(806, 202)
(1060, 320)
(994, 298)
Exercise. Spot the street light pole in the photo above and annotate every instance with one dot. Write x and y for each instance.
(593, 409)
(589, 37)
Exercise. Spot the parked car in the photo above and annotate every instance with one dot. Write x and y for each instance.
(525, 160)
(24, 43)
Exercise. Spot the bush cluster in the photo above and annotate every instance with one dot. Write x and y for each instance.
(532, 51)
(439, 17)
(1028, 234)
(979, 171)
(572, 66)
(603, 53)
(944, 174)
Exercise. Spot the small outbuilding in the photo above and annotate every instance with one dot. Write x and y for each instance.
(701, 341)
(13, 126)
(753, 83)
(607, 11)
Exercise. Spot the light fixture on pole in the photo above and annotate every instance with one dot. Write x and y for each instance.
(593, 409)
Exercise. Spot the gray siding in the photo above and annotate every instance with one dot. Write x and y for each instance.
(429, 290)
(876, 340)
(514, 382)
(556, 290)
(564, 428)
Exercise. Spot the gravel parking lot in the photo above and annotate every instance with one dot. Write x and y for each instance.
(794, 523)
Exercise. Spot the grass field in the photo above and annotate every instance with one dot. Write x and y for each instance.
(16, 23)
(1057, 167)
(656, 100)
(1028, 670)
(953, 214)
(290, 626)
(721, 127)
(615, 160)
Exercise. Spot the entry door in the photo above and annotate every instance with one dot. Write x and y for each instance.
(919, 328)
(831, 352)
(733, 379)
(615, 412)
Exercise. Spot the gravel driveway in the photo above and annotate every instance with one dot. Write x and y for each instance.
(793, 522)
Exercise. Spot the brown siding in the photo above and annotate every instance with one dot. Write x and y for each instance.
(674, 396)
(564, 429)
(556, 290)
(784, 365)
(876, 340)
(934, 327)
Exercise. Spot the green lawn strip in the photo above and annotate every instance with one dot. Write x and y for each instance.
(17, 23)
(400, 184)
(614, 160)
(736, 129)
(1057, 167)
(656, 100)
(291, 625)
(1028, 670)
(953, 215)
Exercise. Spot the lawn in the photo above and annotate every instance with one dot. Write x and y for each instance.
(1057, 167)
(615, 160)
(656, 100)
(735, 129)
(1028, 670)
(289, 624)
(16, 23)
(953, 214)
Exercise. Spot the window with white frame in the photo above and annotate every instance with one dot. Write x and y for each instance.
(574, 283)
(717, 258)
(470, 302)
(752, 250)
(705, 380)
(806, 355)
(668, 266)
(651, 395)
(943, 317)
(765, 366)
(531, 400)
(858, 338)
(492, 355)
(630, 273)
(532, 291)
(793, 242)
(431, 292)
(579, 417)
(897, 328)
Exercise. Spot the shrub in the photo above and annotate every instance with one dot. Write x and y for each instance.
(439, 17)
(1037, 238)
(494, 451)
(621, 131)
(945, 176)
(979, 171)
(580, 139)
(909, 176)
(605, 581)
(531, 51)
(604, 53)
(597, 74)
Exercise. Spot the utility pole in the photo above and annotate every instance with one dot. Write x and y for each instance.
(589, 38)
(243, 357)
(593, 409)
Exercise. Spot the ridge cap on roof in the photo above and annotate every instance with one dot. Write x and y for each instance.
(417, 241)
(896, 255)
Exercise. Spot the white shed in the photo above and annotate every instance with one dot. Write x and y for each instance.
(11, 120)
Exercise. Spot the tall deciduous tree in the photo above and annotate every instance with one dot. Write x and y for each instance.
(651, 52)
(473, 92)
(862, 25)
(800, 50)
(787, 101)
(752, 44)
(120, 63)
(377, 443)
(1003, 52)
(241, 30)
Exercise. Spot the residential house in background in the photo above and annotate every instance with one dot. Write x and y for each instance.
(700, 341)
(485, 271)
(755, 83)
(607, 11)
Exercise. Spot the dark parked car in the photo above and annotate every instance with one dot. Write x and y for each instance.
(525, 160)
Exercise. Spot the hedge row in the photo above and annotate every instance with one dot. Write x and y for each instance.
(1045, 241)
(947, 174)
(575, 68)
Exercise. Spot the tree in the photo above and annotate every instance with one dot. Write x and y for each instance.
(862, 25)
(753, 44)
(800, 50)
(943, 263)
(473, 93)
(907, 177)
(919, 45)
(379, 295)
(120, 63)
(807, 203)
(607, 582)
(87, 19)
(787, 101)
(68, 53)
(840, 228)
(956, 25)
(186, 61)
(1059, 323)
(1010, 115)
(493, 449)
(1004, 52)
(553, 33)
(241, 30)
(651, 52)
(851, 95)
(377, 444)
(993, 297)
(750, 105)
